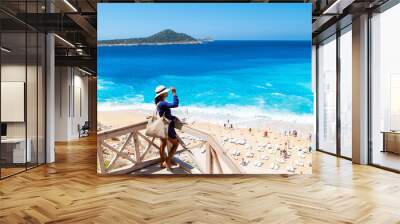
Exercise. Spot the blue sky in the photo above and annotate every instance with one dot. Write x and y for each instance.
(227, 21)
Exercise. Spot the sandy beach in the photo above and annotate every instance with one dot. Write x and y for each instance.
(278, 152)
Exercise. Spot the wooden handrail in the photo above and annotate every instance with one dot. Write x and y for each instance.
(215, 153)
(215, 145)
(121, 130)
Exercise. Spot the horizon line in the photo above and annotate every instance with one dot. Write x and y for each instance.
(224, 39)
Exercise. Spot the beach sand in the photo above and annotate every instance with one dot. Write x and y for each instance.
(261, 154)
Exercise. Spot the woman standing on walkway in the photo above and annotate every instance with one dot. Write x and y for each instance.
(164, 109)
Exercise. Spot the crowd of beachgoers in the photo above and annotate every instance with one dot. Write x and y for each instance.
(277, 149)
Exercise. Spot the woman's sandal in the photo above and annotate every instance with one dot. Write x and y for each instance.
(163, 165)
(168, 166)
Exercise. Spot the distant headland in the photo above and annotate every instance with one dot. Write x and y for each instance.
(164, 37)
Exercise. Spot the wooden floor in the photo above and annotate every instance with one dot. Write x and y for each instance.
(69, 191)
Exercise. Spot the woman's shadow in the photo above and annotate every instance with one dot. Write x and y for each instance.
(156, 169)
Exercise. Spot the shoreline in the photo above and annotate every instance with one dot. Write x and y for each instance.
(242, 116)
(119, 118)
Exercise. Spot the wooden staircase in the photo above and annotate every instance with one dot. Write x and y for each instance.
(127, 150)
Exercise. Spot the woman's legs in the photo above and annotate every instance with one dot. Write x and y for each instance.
(162, 152)
(171, 153)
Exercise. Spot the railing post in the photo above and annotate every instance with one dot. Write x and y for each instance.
(209, 159)
(216, 160)
(100, 158)
(137, 149)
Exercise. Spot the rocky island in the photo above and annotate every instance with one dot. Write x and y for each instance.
(164, 37)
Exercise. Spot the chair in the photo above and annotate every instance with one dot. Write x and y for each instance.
(84, 130)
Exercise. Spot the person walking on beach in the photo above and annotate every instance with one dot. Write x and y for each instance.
(164, 109)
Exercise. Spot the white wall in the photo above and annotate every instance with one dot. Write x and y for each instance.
(12, 73)
(33, 126)
(81, 113)
(61, 103)
(71, 102)
(17, 73)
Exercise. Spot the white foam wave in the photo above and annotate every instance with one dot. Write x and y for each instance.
(266, 85)
(233, 95)
(123, 101)
(233, 113)
(104, 84)
(278, 94)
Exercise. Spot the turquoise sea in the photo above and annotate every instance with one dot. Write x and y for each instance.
(247, 78)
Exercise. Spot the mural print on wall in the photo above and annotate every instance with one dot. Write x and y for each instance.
(227, 88)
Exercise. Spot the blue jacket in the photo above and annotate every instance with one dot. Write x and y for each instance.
(164, 108)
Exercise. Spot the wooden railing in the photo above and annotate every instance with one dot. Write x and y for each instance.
(128, 150)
